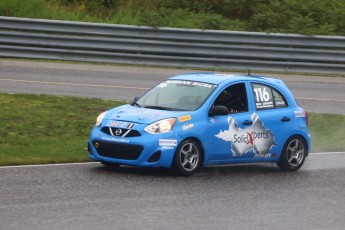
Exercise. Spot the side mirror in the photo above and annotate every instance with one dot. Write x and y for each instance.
(219, 110)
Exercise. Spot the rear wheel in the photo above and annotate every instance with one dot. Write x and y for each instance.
(293, 154)
(187, 158)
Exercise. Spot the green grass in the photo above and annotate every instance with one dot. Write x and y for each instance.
(327, 132)
(37, 129)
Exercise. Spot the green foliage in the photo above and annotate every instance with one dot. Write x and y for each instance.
(239, 9)
(316, 17)
(283, 16)
(20, 8)
(165, 17)
(269, 17)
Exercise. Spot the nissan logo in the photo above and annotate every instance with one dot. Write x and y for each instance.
(118, 132)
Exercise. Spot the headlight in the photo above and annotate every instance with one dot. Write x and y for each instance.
(161, 126)
(100, 119)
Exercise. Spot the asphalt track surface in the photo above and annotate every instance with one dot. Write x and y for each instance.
(314, 93)
(89, 196)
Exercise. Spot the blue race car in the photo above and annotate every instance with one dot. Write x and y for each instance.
(197, 119)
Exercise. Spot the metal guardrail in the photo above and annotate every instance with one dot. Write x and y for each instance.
(95, 42)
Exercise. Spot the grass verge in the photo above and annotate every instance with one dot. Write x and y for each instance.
(327, 132)
(38, 129)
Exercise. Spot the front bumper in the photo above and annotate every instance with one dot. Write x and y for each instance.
(147, 150)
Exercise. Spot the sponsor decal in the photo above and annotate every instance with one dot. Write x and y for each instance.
(264, 105)
(168, 147)
(187, 126)
(185, 118)
(113, 139)
(255, 137)
(162, 85)
(120, 124)
(202, 84)
(267, 155)
(167, 142)
(280, 104)
(185, 83)
(299, 113)
(142, 114)
(227, 75)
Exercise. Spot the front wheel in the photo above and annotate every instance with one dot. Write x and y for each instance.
(293, 154)
(187, 158)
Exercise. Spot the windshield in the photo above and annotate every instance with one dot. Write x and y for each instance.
(176, 95)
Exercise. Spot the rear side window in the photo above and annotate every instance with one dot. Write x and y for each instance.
(267, 97)
(279, 100)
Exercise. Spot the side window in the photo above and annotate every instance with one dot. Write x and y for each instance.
(279, 100)
(234, 98)
(267, 98)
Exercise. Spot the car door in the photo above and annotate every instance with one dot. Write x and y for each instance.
(227, 137)
(272, 121)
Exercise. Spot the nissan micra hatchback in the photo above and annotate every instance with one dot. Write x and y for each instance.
(192, 120)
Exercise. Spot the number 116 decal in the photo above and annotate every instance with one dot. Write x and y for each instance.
(263, 97)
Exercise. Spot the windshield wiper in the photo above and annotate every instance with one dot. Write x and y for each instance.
(163, 108)
(134, 103)
(158, 107)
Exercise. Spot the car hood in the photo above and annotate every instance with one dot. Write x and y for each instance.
(141, 115)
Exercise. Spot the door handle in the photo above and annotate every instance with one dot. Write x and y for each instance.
(247, 122)
(285, 119)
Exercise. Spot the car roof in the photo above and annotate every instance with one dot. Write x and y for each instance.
(217, 78)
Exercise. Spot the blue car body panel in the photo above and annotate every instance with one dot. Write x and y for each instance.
(252, 136)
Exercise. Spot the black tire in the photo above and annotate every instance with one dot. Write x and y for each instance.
(187, 158)
(110, 165)
(293, 154)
